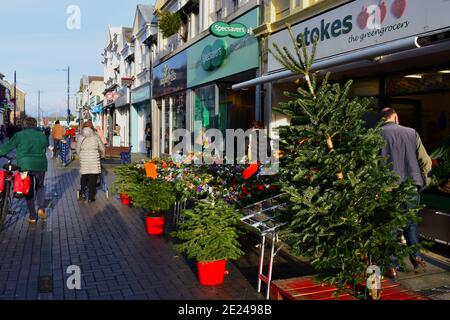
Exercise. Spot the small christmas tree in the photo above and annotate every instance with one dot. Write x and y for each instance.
(126, 178)
(156, 195)
(209, 232)
(345, 202)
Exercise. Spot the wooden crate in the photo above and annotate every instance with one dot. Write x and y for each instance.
(304, 288)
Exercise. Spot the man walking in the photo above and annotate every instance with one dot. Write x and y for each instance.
(57, 136)
(409, 159)
(31, 146)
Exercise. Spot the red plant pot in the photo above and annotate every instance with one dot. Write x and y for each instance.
(126, 200)
(155, 225)
(211, 273)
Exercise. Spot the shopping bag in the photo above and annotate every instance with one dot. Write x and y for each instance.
(22, 184)
(2, 181)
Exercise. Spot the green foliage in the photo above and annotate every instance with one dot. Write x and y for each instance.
(156, 195)
(209, 232)
(345, 202)
(440, 173)
(169, 23)
(126, 178)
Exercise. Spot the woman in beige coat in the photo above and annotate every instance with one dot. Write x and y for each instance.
(89, 150)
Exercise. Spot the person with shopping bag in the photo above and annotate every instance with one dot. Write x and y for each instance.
(89, 150)
(31, 147)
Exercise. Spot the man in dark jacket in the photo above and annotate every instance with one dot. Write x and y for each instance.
(31, 147)
(409, 159)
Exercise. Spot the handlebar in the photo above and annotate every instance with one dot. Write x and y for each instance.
(9, 166)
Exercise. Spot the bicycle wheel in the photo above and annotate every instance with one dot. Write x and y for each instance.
(5, 203)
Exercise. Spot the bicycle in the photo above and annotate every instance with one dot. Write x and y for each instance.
(6, 197)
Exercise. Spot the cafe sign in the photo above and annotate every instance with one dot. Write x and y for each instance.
(169, 75)
(234, 30)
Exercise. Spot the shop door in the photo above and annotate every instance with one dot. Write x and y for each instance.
(409, 112)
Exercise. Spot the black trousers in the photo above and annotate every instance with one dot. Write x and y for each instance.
(89, 181)
(37, 193)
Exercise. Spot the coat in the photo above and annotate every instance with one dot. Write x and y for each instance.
(31, 147)
(406, 153)
(58, 132)
(89, 148)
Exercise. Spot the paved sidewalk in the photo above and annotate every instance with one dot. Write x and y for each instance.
(108, 241)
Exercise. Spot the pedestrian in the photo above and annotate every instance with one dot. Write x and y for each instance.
(47, 132)
(409, 160)
(89, 150)
(57, 136)
(31, 146)
(148, 138)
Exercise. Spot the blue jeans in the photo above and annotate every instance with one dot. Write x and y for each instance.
(37, 193)
(56, 147)
(411, 232)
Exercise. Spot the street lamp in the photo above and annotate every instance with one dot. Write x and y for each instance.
(68, 93)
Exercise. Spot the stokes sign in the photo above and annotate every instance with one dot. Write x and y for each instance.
(364, 23)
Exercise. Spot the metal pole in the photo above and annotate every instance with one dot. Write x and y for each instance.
(15, 97)
(39, 107)
(68, 96)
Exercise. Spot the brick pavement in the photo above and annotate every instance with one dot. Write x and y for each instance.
(108, 241)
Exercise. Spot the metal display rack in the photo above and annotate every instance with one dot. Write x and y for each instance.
(259, 216)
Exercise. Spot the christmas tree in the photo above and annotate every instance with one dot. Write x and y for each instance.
(345, 203)
(209, 232)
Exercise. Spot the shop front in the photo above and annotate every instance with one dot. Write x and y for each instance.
(121, 129)
(229, 55)
(170, 103)
(414, 79)
(108, 115)
(140, 114)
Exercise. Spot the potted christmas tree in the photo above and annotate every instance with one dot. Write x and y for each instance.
(345, 202)
(209, 235)
(126, 178)
(157, 196)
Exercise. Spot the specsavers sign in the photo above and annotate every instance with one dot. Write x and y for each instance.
(229, 50)
(364, 23)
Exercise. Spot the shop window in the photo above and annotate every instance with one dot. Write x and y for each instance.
(205, 112)
(178, 114)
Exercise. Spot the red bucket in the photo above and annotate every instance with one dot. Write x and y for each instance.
(125, 199)
(211, 273)
(155, 225)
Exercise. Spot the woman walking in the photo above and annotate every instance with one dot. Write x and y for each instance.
(89, 149)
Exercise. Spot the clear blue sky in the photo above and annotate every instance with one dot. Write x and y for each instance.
(35, 41)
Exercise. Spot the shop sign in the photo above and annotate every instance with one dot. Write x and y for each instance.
(93, 101)
(171, 75)
(110, 98)
(214, 55)
(97, 108)
(141, 94)
(124, 97)
(222, 29)
(211, 58)
(364, 23)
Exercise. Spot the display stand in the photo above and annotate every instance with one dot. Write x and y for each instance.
(66, 152)
(259, 216)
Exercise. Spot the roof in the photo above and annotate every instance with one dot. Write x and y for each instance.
(146, 12)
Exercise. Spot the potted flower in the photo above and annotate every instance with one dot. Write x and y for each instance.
(209, 235)
(126, 178)
(157, 196)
